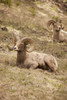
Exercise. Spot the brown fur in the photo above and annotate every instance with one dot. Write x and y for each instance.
(33, 59)
(58, 35)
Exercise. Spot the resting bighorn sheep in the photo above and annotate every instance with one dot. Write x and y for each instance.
(31, 59)
(58, 33)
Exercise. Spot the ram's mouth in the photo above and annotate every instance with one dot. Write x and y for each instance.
(18, 50)
(57, 30)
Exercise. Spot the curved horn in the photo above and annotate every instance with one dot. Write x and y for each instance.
(10, 48)
(27, 41)
(50, 22)
(16, 34)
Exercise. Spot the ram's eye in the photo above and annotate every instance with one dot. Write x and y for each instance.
(21, 45)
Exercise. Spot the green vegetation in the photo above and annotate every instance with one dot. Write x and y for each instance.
(56, 18)
(18, 3)
(7, 2)
(33, 11)
(55, 8)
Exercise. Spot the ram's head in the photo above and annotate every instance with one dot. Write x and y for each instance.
(57, 26)
(22, 44)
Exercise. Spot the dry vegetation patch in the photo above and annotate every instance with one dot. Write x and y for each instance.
(17, 83)
(24, 84)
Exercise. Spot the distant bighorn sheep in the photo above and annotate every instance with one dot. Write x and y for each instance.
(58, 33)
(31, 59)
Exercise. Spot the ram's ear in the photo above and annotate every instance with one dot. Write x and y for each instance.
(62, 27)
(60, 21)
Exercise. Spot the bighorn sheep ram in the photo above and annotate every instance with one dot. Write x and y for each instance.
(31, 59)
(58, 33)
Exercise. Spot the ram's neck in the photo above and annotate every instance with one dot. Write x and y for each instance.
(21, 56)
(56, 35)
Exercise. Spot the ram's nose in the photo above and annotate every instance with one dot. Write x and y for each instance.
(14, 48)
(59, 27)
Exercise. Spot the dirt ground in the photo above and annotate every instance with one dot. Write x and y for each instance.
(24, 84)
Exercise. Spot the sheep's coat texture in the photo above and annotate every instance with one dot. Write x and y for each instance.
(33, 59)
(28, 58)
(55, 35)
(59, 35)
(63, 35)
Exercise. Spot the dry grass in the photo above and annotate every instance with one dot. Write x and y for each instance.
(18, 84)
(25, 84)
